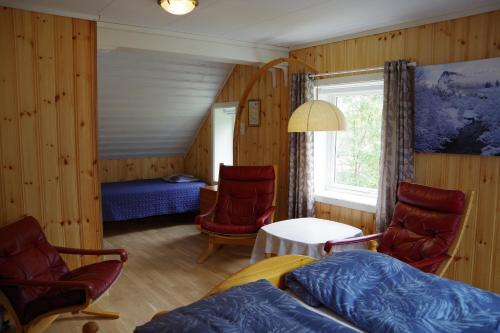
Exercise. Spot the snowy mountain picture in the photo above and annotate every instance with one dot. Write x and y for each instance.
(458, 108)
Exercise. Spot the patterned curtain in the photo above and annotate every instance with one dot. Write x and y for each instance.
(301, 163)
(398, 127)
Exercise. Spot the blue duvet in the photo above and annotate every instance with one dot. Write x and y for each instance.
(254, 307)
(378, 293)
(142, 198)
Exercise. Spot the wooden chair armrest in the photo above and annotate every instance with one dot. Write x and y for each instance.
(354, 240)
(261, 220)
(121, 252)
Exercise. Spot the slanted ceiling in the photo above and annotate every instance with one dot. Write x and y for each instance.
(152, 103)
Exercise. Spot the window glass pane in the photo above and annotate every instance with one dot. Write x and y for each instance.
(222, 133)
(353, 154)
(357, 150)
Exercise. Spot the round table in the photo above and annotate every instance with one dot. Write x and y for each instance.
(305, 236)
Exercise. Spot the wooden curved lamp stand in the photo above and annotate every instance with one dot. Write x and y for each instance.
(246, 93)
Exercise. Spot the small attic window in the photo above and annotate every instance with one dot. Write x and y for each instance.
(223, 117)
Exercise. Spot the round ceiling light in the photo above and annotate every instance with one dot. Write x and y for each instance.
(178, 7)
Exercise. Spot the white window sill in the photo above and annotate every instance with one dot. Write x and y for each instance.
(347, 200)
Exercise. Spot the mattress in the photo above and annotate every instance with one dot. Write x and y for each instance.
(144, 198)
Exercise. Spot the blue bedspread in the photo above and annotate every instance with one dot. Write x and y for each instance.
(143, 198)
(378, 293)
(254, 307)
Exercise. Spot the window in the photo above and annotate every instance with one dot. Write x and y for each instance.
(347, 162)
(223, 117)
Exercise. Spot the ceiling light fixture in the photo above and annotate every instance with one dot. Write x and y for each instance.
(178, 7)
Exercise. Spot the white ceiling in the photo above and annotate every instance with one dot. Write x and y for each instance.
(151, 103)
(273, 22)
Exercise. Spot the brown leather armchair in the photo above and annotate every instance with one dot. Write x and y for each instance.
(36, 285)
(245, 202)
(426, 227)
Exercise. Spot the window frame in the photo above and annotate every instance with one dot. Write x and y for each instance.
(223, 105)
(345, 86)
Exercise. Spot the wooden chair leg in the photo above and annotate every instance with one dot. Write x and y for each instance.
(95, 311)
(90, 327)
(212, 246)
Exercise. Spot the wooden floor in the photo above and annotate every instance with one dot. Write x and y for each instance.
(161, 273)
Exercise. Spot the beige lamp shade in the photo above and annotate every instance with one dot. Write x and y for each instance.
(315, 116)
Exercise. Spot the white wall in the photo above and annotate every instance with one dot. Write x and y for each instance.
(152, 103)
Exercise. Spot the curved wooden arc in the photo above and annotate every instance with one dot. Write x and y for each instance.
(244, 97)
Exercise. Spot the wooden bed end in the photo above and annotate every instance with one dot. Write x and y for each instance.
(273, 269)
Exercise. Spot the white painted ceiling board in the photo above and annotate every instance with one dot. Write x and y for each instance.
(151, 103)
(286, 23)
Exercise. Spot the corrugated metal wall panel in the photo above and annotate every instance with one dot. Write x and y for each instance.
(151, 103)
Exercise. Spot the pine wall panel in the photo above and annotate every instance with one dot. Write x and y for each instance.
(140, 168)
(48, 148)
(362, 220)
(469, 38)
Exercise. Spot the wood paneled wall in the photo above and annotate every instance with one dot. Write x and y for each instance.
(139, 168)
(267, 144)
(362, 220)
(469, 38)
(48, 149)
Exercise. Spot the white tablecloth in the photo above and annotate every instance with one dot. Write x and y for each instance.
(305, 236)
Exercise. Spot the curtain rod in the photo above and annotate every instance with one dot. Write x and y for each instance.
(369, 69)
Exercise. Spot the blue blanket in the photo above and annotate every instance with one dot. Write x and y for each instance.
(378, 293)
(254, 307)
(143, 198)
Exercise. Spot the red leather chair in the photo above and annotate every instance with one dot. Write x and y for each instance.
(36, 285)
(426, 227)
(245, 202)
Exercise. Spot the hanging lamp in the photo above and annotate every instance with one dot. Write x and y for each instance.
(315, 116)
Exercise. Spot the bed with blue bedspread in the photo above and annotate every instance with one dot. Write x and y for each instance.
(143, 198)
(370, 292)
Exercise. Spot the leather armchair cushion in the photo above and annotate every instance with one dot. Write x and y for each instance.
(247, 173)
(245, 193)
(416, 234)
(229, 229)
(26, 254)
(447, 201)
(99, 276)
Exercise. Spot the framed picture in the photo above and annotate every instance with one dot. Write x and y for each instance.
(458, 108)
(254, 112)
